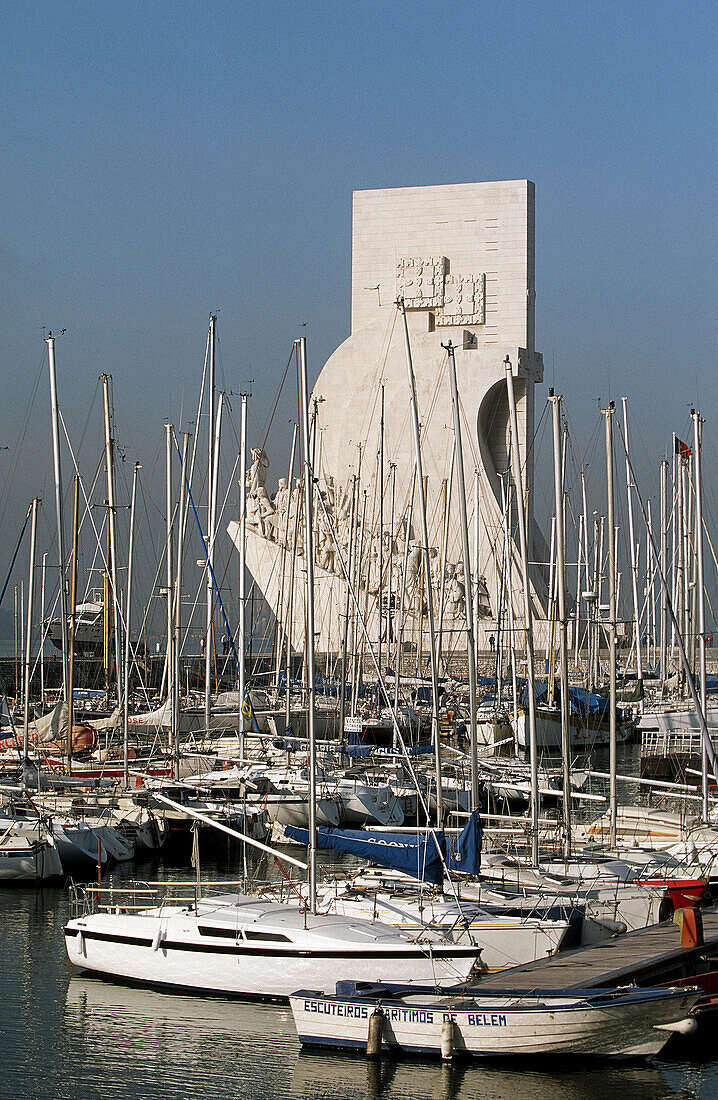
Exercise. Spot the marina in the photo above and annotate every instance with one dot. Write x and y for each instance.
(500, 896)
(359, 570)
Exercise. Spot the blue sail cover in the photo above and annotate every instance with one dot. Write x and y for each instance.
(586, 704)
(414, 855)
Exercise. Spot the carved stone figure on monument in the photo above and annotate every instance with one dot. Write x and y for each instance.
(455, 592)
(413, 565)
(325, 552)
(484, 600)
(257, 472)
(343, 504)
(259, 506)
(281, 504)
(295, 509)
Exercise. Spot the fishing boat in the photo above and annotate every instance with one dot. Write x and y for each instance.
(400, 1020)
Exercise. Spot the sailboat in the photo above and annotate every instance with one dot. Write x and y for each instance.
(240, 945)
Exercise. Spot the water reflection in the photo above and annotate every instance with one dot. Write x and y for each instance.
(179, 1045)
(318, 1075)
(68, 1037)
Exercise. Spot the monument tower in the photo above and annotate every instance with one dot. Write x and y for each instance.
(461, 257)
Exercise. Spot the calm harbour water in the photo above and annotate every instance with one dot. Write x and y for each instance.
(67, 1036)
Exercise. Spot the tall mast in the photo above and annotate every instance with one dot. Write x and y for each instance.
(177, 587)
(73, 622)
(681, 569)
(309, 562)
(427, 569)
(345, 635)
(466, 556)
(528, 618)
(42, 627)
(170, 662)
(50, 341)
(664, 567)
(243, 559)
(112, 527)
(391, 597)
(28, 633)
(284, 536)
(381, 534)
(634, 562)
(701, 598)
(613, 805)
(475, 589)
(128, 643)
(211, 504)
(558, 483)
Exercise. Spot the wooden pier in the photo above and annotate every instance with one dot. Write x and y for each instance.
(649, 956)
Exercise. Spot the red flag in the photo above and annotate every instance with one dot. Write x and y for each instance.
(682, 448)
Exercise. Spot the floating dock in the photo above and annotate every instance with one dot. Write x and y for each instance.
(649, 956)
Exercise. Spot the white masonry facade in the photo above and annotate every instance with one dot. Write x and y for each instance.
(461, 257)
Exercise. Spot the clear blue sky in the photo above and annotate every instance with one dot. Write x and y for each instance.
(163, 159)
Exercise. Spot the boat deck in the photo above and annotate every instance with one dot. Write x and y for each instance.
(648, 956)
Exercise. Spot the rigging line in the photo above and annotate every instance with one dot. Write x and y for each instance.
(15, 554)
(383, 688)
(23, 432)
(276, 400)
(88, 512)
(206, 553)
(690, 679)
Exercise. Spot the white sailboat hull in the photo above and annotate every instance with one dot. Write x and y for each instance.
(548, 732)
(216, 952)
(26, 858)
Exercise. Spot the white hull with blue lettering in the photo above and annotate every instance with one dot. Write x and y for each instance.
(604, 1023)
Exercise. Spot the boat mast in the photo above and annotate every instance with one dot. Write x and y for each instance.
(402, 599)
(73, 623)
(241, 641)
(427, 569)
(634, 562)
(209, 633)
(391, 597)
(112, 528)
(558, 483)
(177, 588)
(700, 579)
(309, 561)
(170, 662)
(345, 637)
(381, 537)
(664, 568)
(282, 623)
(358, 563)
(528, 618)
(128, 646)
(475, 588)
(50, 341)
(608, 413)
(43, 631)
(30, 609)
(466, 555)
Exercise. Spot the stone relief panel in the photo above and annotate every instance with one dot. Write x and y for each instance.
(464, 300)
(455, 299)
(420, 281)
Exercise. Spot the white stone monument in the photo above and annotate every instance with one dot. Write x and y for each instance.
(462, 259)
